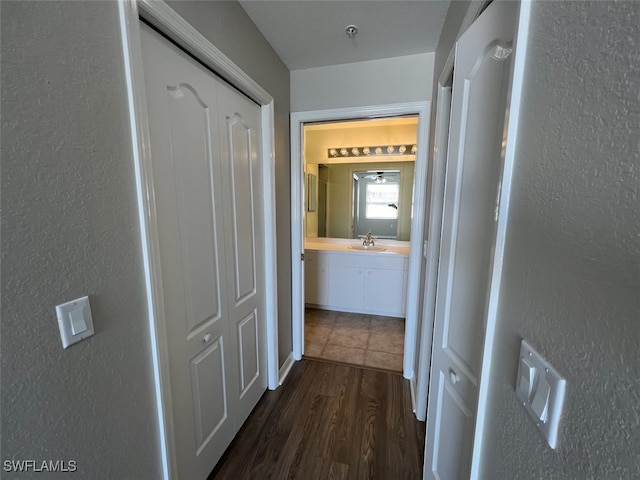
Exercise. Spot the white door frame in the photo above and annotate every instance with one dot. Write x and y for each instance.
(432, 254)
(521, 37)
(298, 119)
(167, 21)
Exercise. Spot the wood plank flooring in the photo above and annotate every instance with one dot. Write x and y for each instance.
(329, 421)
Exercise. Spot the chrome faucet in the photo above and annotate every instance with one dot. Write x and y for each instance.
(368, 241)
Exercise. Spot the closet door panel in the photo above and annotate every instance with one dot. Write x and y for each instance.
(187, 196)
(240, 133)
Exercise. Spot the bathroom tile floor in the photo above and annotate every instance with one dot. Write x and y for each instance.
(353, 338)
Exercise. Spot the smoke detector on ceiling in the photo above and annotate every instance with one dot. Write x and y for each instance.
(351, 30)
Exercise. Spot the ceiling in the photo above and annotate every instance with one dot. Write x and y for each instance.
(311, 33)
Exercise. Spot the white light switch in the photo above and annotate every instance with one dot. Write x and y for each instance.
(526, 380)
(540, 402)
(78, 324)
(541, 390)
(75, 321)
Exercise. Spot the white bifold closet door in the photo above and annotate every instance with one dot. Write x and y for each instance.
(204, 138)
(482, 70)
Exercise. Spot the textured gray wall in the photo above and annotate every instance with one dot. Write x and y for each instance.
(229, 28)
(571, 281)
(70, 228)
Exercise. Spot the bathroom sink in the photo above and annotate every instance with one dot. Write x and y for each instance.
(367, 248)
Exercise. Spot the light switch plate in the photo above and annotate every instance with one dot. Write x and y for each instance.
(75, 321)
(544, 407)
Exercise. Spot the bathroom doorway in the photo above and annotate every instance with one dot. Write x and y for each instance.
(400, 154)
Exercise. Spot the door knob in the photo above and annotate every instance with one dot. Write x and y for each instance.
(453, 376)
(206, 338)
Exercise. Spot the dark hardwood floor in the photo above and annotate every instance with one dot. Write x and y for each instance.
(329, 421)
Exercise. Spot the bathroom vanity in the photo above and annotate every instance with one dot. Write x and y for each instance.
(341, 276)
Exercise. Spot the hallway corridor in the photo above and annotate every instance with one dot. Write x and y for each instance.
(329, 421)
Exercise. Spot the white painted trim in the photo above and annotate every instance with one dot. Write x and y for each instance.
(286, 368)
(515, 107)
(412, 391)
(417, 224)
(162, 17)
(130, 31)
(417, 238)
(270, 247)
(438, 172)
(297, 235)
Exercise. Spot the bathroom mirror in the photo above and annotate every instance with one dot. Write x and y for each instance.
(364, 176)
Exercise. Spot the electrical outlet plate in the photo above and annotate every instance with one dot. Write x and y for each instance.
(541, 389)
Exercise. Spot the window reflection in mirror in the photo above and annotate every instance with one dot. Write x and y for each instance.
(368, 192)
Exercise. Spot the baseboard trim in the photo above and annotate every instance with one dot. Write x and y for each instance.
(412, 386)
(286, 368)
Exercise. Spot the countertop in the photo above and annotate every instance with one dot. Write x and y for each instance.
(392, 247)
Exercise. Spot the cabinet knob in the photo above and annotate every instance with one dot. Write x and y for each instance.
(453, 376)
(206, 338)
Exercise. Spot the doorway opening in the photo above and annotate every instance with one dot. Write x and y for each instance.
(374, 285)
(359, 194)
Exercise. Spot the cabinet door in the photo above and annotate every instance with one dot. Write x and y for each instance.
(346, 287)
(384, 291)
(315, 284)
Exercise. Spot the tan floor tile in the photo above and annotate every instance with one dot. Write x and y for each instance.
(320, 317)
(387, 361)
(348, 337)
(318, 330)
(386, 342)
(339, 353)
(360, 339)
(353, 320)
(387, 324)
(313, 349)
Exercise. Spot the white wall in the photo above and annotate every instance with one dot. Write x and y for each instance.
(375, 82)
(571, 278)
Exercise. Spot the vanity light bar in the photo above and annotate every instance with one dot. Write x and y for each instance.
(374, 151)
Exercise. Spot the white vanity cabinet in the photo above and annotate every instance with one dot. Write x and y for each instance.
(315, 278)
(356, 282)
(384, 291)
